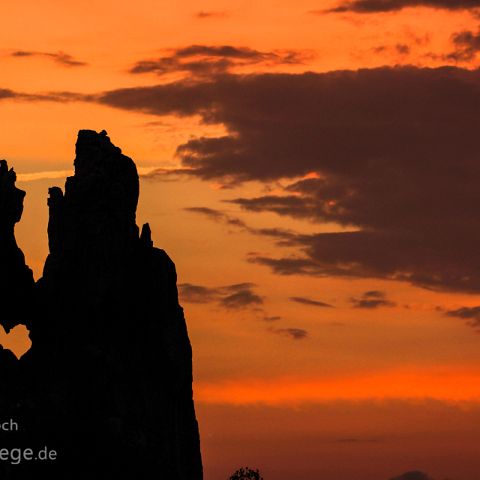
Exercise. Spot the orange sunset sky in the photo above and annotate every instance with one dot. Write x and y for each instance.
(312, 168)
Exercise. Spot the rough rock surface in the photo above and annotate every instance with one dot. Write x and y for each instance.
(108, 380)
(16, 279)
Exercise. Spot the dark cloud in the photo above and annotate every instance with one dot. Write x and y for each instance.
(61, 58)
(294, 333)
(309, 301)
(6, 93)
(292, 205)
(402, 48)
(198, 293)
(216, 215)
(376, 6)
(235, 296)
(372, 299)
(466, 44)
(203, 14)
(207, 60)
(291, 265)
(471, 314)
(413, 475)
(399, 48)
(395, 151)
(242, 298)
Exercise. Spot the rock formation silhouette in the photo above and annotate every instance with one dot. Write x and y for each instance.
(16, 279)
(108, 380)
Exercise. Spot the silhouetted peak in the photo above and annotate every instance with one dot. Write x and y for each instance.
(101, 164)
(11, 197)
(102, 169)
(146, 236)
(97, 212)
(90, 140)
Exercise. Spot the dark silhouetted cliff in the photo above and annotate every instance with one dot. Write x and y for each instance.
(16, 279)
(108, 380)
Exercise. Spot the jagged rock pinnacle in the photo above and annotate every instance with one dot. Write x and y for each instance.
(108, 380)
(16, 279)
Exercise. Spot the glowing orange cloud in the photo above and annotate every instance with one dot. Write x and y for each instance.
(448, 384)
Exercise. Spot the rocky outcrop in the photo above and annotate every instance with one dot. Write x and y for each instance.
(108, 380)
(16, 279)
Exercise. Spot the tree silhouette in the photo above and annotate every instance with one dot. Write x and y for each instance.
(246, 474)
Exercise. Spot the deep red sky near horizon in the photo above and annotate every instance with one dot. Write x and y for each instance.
(325, 233)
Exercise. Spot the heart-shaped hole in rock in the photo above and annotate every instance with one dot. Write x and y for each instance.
(17, 340)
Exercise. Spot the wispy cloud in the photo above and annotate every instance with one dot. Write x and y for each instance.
(378, 6)
(58, 97)
(49, 174)
(293, 333)
(233, 297)
(371, 300)
(204, 61)
(470, 314)
(282, 236)
(61, 58)
(53, 174)
(309, 301)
